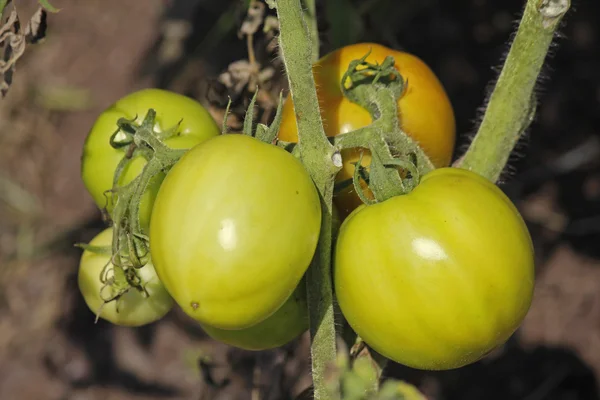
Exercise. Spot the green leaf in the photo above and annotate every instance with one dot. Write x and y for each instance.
(3, 4)
(249, 119)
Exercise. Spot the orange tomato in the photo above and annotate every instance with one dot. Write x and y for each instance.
(424, 110)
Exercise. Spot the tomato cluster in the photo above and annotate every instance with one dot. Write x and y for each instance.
(434, 279)
(235, 266)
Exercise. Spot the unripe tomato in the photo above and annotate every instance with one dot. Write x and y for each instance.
(100, 159)
(437, 278)
(288, 322)
(133, 308)
(424, 110)
(233, 230)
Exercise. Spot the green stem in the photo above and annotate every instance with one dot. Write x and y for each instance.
(356, 138)
(381, 101)
(322, 162)
(385, 140)
(128, 238)
(385, 182)
(3, 4)
(311, 21)
(510, 109)
(398, 141)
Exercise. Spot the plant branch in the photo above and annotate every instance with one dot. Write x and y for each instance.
(511, 105)
(322, 162)
(356, 138)
(311, 21)
(380, 99)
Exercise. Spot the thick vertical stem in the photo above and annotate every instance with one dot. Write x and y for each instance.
(511, 105)
(322, 163)
(313, 28)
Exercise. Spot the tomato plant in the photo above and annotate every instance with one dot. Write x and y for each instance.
(287, 323)
(424, 110)
(190, 119)
(233, 230)
(438, 277)
(133, 307)
(433, 276)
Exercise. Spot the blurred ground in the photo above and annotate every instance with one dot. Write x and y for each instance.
(96, 51)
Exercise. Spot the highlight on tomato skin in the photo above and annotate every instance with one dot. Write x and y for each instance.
(133, 308)
(99, 159)
(234, 228)
(425, 111)
(450, 271)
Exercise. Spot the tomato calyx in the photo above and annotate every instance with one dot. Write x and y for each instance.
(363, 72)
(380, 185)
(397, 160)
(116, 279)
(262, 132)
(130, 246)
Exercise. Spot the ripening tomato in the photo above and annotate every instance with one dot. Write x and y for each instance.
(288, 322)
(100, 159)
(424, 110)
(234, 227)
(437, 278)
(133, 308)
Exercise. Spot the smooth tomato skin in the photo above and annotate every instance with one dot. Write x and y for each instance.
(100, 159)
(286, 324)
(437, 278)
(133, 308)
(233, 230)
(424, 110)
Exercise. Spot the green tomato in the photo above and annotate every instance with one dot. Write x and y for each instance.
(289, 322)
(437, 278)
(100, 159)
(234, 227)
(133, 308)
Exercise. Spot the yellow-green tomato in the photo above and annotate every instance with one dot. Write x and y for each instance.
(134, 308)
(234, 227)
(100, 159)
(437, 278)
(289, 322)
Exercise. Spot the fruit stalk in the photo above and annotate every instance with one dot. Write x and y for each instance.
(322, 162)
(511, 105)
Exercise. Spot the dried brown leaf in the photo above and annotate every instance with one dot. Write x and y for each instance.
(13, 43)
(254, 19)
(35, 30)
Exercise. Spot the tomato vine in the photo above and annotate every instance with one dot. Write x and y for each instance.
(397, 164)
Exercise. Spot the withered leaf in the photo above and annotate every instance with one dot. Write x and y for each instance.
(13, 42)
(35, 30)
(253, 20)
